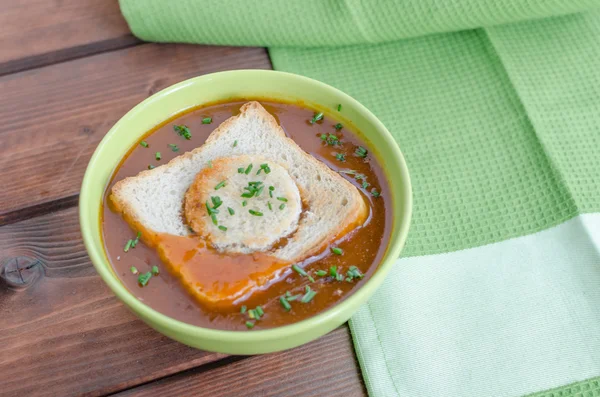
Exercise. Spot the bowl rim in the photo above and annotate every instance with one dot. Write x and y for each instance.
(348, 305)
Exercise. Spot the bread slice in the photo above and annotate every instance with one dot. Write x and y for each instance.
(332, 207)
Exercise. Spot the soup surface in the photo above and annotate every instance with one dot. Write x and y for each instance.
(353, 259)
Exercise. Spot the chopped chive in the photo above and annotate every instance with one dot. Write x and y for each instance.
(365, 185)
(310, 294)
(151, 167)
(216, 200)
(333, 271)
(269, 205)
(207, 120)
(128, 245)
(243, 309)
(299, 270)
(144, 143)
(317, 117)
(248, 169)
(230, 210)
(144, 278)
(293, 298)
(349, 172)
(134, 270)
(375, 193)
(252, 314)
(155, 270)
(361, 152)
(353, 273)
(209, 163)
(311, 279)
(321, 273)
(137, 239)
(255, 213)
(337, 251)
(183, 131)
(264, 167)
(349, 279)
(173, 147)
(259, 191)
(223, 228)
(340, 157)
(323, 137)
(285, 304)
(157, 156)
(282, 199)
(244, 203)
(235, 143)
(282, 206)
(339, 277)
(339, 107)
(241, 170)
(259, 310)
(220, 185)
(214, 219)
(271, 193)
(338, 126)
(249, 324)
(332, 140)
(271, 188)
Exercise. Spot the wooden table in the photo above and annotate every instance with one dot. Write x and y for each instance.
(69, 69)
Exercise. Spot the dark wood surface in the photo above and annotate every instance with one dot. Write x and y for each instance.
(69, 69)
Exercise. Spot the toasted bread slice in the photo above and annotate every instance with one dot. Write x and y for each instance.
(153, 200)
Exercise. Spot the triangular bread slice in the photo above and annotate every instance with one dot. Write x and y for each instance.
(152, 200)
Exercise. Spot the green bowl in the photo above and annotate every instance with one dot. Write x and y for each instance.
(222, 86)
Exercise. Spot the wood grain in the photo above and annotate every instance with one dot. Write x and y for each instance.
(67, 334)
(325, 367)
(53, 117)
(34, 33)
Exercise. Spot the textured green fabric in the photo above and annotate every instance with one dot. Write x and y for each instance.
(325, 22)
(500, 125)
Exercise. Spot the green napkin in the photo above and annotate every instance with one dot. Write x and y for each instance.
(497, 292)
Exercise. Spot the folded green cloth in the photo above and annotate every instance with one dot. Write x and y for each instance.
(498, 289)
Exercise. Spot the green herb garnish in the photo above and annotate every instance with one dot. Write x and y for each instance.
(282, 206)
(157, 156)
(134, 270)
(248, 169)
(209, 163)
(331, 139)
(151, 167)
(375, 193)
(337, 251)
(216, 200)
(223, 228)
(207, 120)
(183, 131)
(244, 203)
(220, 185)
(264, 167)
(340, 157)
(353, 273)
(321, 273)
(310, 294)
(259, 310)
(333, 271)
(144, 278)
(253, 189)
(249, 324)
(339, 107)
(230, 210)
(361, 152)
(137, 239)
(213, 217)
(155, 270)
(241, 170)
(128, 245)
(235, 143)
(338, 126)
(285, 304)
(317, 117)
(144, 143)
(173, 147)
(255, 213)
(269, 205)
(243, 309)
(282, 199)
(299, 270)
(291, 298)
(365, 185)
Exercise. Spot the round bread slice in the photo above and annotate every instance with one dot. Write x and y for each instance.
(243, 204)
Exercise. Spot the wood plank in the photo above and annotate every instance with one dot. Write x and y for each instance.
(39, 32)
(66, 333)
(62, 332)
(325, 367)
(53, 117)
